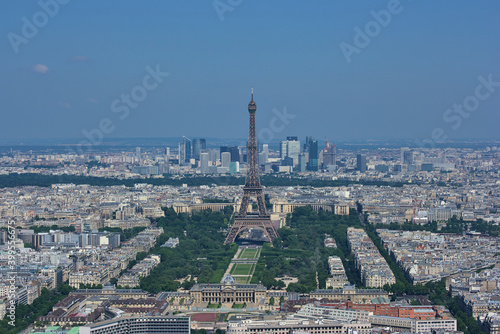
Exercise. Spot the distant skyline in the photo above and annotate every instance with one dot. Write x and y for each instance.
(344, 70)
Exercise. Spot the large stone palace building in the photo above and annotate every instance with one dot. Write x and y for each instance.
(228, 292)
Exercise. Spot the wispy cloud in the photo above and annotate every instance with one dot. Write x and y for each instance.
(65, 105)
(79, 58)
(40, 68)
(91, 100)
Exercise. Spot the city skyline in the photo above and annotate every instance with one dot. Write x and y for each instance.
(189, 68)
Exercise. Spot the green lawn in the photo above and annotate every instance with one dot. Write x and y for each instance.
(242, 269)
(248, 253)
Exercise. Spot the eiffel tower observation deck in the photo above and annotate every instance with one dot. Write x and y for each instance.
(252, 189)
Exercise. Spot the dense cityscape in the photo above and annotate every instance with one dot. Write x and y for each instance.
(434, 211)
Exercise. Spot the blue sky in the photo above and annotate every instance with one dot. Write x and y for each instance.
(64, 78)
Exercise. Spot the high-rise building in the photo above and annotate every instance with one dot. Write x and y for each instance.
(283, 149)
(302, 162)
(264, 155)
(306, 144)
(213, 154)
(313, 154)
(361, 162)
(290, 148)
(182, 153)
(234, 167)
(329, 155)
(243, 153)
(138, 153)
(225, 159)
(406, 156)
(204, 163)
(187, 149)
(199, 144)
(235, 152)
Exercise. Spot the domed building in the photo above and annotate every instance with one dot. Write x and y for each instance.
(228, 291)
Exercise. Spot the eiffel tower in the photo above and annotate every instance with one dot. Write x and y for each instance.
(252, 188)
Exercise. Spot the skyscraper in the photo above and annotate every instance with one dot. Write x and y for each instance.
(182, 153)
(235, 152)
(264, 155)
(406, 156)
(199, 144)
(204, 163)
(225, 159)
(290, 148)
(313, 154)
(361, 162)
(283, 149)
(187, 149)
(329, 155)
(302, 162)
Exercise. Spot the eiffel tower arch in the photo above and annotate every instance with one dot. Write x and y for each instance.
(252, 189)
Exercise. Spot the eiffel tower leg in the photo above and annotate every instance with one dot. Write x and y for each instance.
(244, 205)
(261, 204)
(269, 236)
(233, 233)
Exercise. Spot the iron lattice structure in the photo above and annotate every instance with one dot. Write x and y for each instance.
(251, 189)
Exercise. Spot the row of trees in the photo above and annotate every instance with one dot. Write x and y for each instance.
(45, 229)
(31, 179)
(125, 234)
(453, 225)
